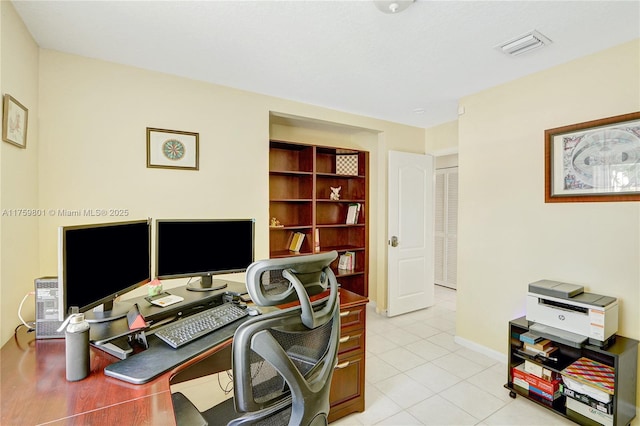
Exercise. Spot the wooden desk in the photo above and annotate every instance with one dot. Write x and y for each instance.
(35, 391)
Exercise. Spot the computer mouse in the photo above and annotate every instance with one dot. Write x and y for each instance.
(253, 311)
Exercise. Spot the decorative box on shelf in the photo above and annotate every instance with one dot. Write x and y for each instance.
(346, 162)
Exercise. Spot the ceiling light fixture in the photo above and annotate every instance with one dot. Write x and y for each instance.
(393, 6)
(524, 43)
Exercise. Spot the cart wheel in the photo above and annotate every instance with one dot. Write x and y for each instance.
(512, 394)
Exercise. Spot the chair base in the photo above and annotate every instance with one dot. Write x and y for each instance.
(222, 413)
(185, 412)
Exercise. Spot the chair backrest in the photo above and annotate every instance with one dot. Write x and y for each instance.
(283, 361)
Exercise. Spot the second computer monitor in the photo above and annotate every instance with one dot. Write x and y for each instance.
(203, 248)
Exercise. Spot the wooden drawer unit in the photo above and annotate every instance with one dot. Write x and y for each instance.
(352, 318)
(347, 387)
(351, 341)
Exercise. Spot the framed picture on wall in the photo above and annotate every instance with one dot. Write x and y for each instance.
(14, 122)
(597, 160)
(172, 149)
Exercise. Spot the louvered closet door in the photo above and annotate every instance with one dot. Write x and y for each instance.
(446, 227)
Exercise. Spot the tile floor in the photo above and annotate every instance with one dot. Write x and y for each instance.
(417, 375)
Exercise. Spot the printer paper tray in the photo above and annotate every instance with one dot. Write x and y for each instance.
(561, 336)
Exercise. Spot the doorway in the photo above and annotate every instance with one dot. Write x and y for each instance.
(446, 221)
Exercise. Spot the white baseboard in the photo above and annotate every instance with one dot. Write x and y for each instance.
(498, 356)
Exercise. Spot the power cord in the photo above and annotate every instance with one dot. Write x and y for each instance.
(228, 388)
(31, 326)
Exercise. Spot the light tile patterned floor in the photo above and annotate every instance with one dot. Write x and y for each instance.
(417, 375)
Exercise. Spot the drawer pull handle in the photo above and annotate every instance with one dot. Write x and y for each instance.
(342, 365)
(344, 314)
(344, 339)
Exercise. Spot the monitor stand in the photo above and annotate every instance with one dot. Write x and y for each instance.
(118, 347)
(206, 283)
(111, 311)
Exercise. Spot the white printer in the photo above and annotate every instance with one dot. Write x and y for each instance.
(556, 307)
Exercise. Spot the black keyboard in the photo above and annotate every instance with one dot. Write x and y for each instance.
(186, 330)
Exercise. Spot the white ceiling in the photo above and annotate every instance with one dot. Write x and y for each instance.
(343, 55)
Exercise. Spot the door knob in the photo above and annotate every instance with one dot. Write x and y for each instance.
(394, 241)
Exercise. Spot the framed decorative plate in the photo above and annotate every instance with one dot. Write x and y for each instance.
(172, 149)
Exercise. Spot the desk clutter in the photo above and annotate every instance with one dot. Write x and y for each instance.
(565, 354)
(146, 353)
(142, 384)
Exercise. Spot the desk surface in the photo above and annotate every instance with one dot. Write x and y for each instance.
(35, 391)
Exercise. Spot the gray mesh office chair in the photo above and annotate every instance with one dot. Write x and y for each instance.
(283, 361)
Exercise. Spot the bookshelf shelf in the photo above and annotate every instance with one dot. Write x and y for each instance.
(621, 356)
(300, 180)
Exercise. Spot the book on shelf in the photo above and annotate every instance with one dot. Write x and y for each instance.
(296, 241)
(530, 338)
(347, 261)
(540, 371)
(533, 351)
(352, 213)
(542, 345)
(316, 241)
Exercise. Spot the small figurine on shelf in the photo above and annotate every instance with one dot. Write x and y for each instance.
(335, 193)
(275, 223)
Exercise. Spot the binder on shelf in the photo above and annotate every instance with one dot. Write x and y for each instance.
(353, 213)
(296, 241)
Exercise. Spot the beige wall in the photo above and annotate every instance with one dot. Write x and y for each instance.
(18, 175)
(508, 237)
(442, 139)
(92, 117)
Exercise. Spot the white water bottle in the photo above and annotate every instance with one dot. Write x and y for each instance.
(77, 347)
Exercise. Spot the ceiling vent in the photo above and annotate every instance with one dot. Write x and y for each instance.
(525, 43)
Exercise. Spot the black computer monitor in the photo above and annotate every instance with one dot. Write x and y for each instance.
(99, 262)
(202, 248)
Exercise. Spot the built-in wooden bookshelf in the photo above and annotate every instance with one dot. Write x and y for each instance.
(300, 180)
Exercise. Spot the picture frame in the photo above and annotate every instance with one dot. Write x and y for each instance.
(172, 149)
(594, 161)
(15, 119)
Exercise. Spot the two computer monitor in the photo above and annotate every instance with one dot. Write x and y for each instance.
(99, 262)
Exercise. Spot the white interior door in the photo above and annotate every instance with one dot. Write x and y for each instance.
(410, 241)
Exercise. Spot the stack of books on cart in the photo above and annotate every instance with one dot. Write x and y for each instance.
(541, 383)
(589, 387)
(535, 346)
